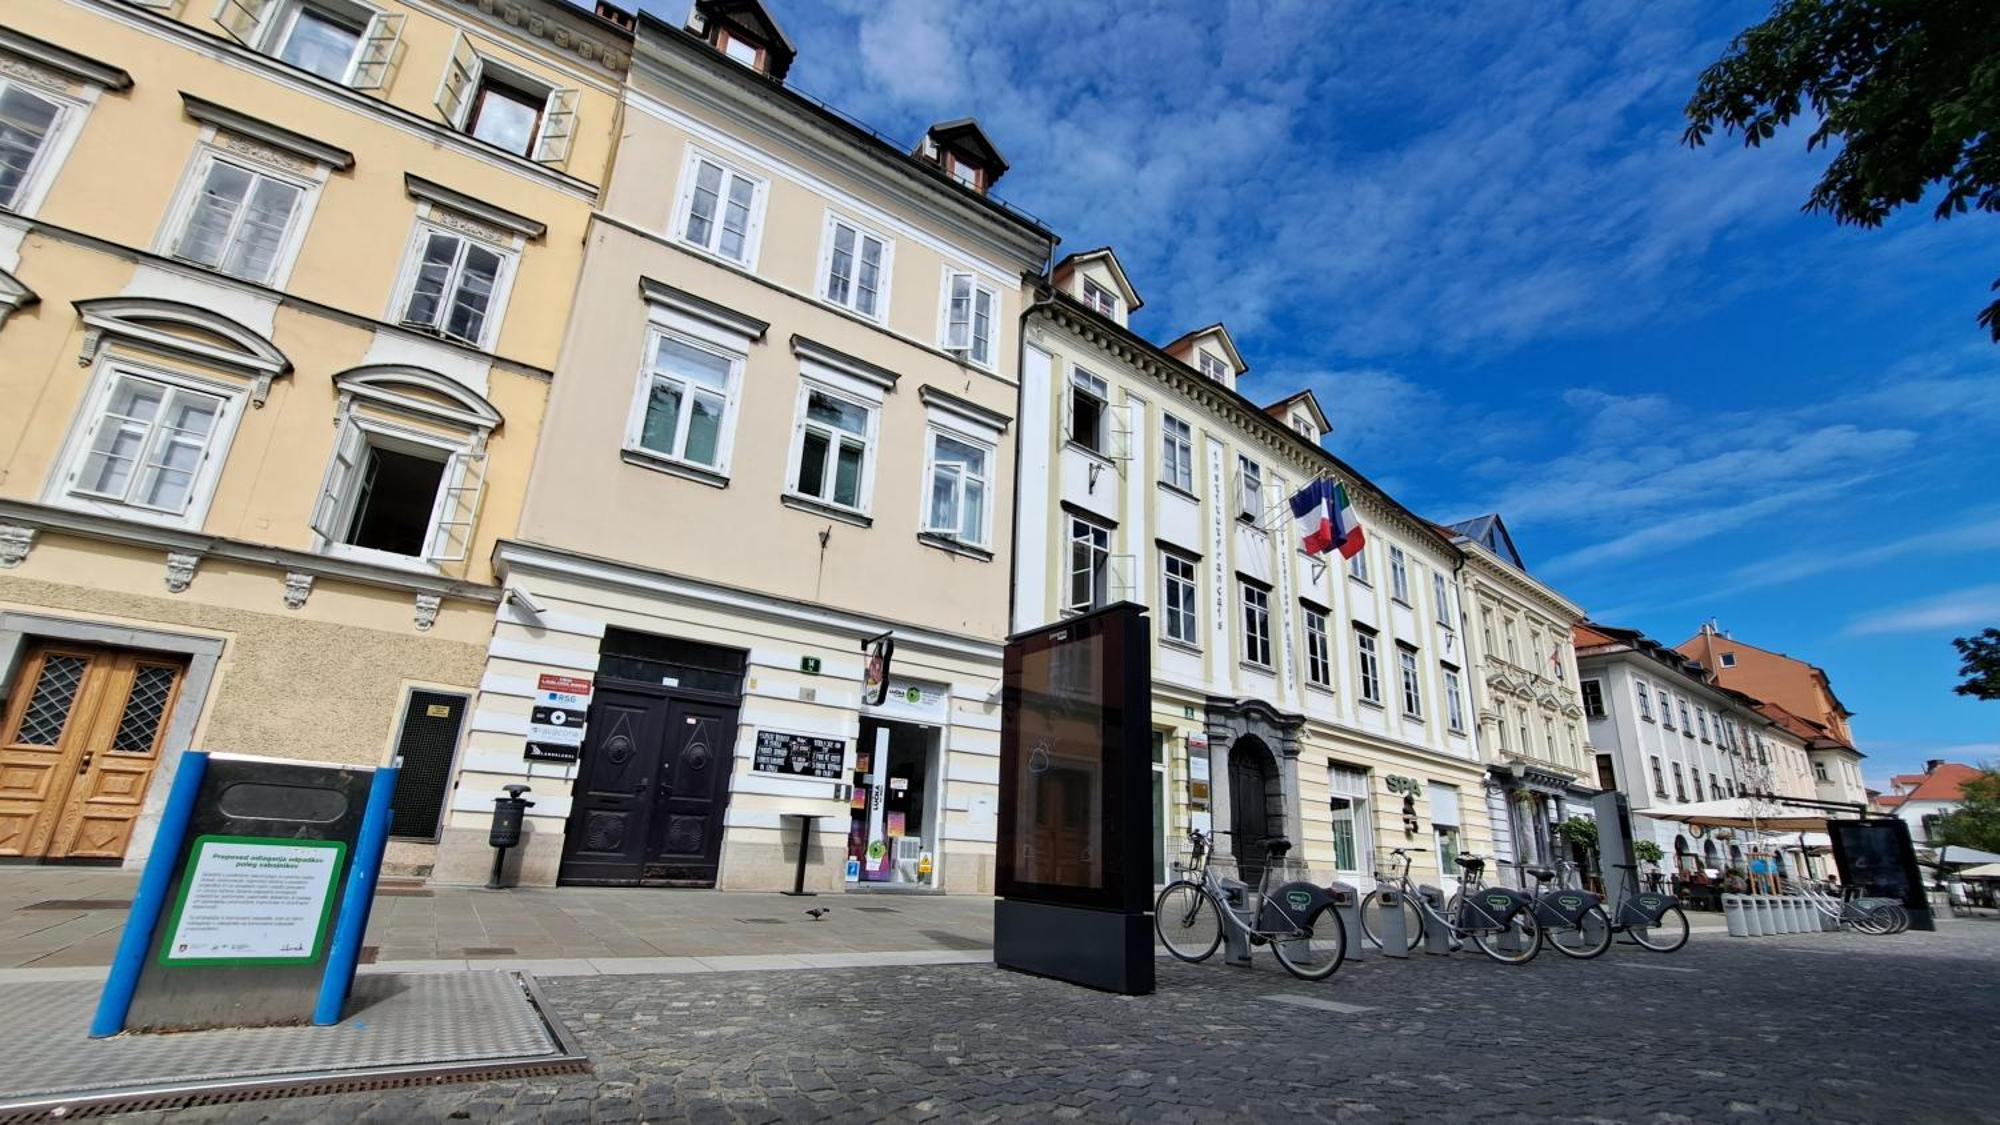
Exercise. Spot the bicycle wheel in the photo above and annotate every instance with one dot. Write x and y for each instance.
(1187, 921)
(1888, 918)
(1590, 937)
(1516, 943)
(1318, 951)
(1901, 915)
(1866, 920)
(1372, 913)
(1666, 935)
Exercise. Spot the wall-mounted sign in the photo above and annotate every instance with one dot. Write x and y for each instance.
(555, 726)
(881, 651)
(801, 755)
(1397, 783)
(1198, 771)
(809, 665)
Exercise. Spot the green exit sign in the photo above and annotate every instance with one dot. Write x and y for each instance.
(809, 665)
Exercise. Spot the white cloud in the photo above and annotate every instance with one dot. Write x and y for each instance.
(1971, 608)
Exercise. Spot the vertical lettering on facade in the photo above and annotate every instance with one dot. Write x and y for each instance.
(1281, 541)
(1218, 552)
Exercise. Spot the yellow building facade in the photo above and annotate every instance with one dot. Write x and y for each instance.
(282, 286)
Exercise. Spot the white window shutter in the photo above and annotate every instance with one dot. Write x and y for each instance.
(558, 126)
(1123, 585)
(170, 7)
(455, 88)
(958, 312)
(1119, 419)
(339, 475)
(241, 20)
(458, 507)
(380, 45)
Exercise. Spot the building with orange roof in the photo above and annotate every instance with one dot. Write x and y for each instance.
(1921, 798)
(1796, 685)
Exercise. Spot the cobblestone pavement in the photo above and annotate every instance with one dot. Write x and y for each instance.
(1825, 1027)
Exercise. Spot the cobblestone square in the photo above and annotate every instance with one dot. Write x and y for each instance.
(1824, 1027)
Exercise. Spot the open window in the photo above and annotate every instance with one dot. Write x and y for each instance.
(505, 106)
(970, 307)
(344, 41)
(408, 469)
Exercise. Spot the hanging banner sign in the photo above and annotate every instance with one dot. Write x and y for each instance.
(555, 726)
(881, 652)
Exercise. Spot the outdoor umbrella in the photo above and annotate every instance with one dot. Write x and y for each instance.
(1983, 871)
(1740, 812)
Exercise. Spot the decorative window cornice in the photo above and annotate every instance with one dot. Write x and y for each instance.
(967, 411)
(442, 196)
(703, 309)
(14, 295)
(277, 136)
(147, 323)
(840, 361)
(62, 60)
(390, 384)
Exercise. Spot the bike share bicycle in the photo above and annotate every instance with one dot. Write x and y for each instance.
(1573, 920)
(1296, 919)
(1652, 920)
(1499, 920)
(1852, 909)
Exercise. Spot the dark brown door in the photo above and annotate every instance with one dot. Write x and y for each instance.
(1249, 811)
(686, 844)
(611, 810)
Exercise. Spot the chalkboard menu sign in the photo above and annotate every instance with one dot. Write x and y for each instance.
(801, 754)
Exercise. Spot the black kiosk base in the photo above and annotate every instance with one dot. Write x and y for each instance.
(1103, 949)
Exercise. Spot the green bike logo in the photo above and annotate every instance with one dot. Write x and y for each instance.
(1299, 899)
(1569, 902)
(1498, 902)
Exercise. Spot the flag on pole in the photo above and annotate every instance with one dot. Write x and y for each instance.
(1347, 533)
(1327, 518)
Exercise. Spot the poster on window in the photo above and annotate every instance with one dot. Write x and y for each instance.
(800, 755)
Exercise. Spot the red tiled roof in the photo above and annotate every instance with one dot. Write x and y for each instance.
(1585, 636)
(1889, 802)
(1803, 727)
(1945, 783)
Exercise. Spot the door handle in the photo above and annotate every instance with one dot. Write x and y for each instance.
(83, 767)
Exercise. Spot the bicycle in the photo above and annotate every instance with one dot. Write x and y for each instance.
(1499, 920)
(1851, 910)
(1297, 919)
(1574, 921)
(1653, 921)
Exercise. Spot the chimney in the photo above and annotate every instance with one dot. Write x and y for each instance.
(1932, 765)
(616, 16)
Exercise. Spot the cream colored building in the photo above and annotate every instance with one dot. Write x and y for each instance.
(1307, 698)
(282, 284)
(1524, 691)
(782, 423)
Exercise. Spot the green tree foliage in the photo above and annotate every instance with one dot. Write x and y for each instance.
(1979, 657)
(1976, 822)
(1906, 93)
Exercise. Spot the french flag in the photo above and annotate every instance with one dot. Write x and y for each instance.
(1328, 519)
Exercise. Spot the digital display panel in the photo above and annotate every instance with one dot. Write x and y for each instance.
(1876, 855)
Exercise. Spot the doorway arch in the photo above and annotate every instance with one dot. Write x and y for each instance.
(1256, 804)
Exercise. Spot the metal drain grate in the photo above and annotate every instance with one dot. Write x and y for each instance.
(80, 904)
(762, 921)
(878, 910)
(487, 951)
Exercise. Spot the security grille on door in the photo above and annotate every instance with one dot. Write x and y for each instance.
(429, 740)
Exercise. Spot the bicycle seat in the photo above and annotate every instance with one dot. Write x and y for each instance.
(1471, 863)
(1540, 872)
(1277, 846)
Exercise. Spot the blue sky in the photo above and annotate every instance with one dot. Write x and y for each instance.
(1472, 230)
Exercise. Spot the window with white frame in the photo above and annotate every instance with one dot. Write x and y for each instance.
(833, 448)
(1319, 654)
(1442, 594)
(970, 306)
(685, 412)
(1399, 575)
(1659, 779)
(1256, 624)
(1666, 709)
(1089, 408)
(1413, 691)
(960, 472)
(1353, 824)
(34, 123)
(1645, 695)
(1089, 565)
(1454, 701)
(1680, 784)
(344, 41)
(510, 108)
(1819, 772)
(1701, 722)
(1249, 489)
(152, 444)
(1521, 724)
(455, 285)
(1687, 727)
(1368, 663)
(1593, 698)
(407, 474)
(1176, 453)
(1177, 595)
(241, 218)
(854, 269)
(1715, 786)
(1305, 427)
(1729, 660)
(1100, 299)
(1212, 365)
(721, 209)
(1513, 642)
(1357, 566)
(1445, 826)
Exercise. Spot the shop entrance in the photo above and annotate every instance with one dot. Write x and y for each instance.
(79, 744)
(893, 834)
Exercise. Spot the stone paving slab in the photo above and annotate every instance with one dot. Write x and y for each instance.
(393, 1020)
(1833, 1027)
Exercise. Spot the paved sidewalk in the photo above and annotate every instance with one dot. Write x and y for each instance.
(67, 918)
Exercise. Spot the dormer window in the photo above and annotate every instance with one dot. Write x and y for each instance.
(744, 32)
(1099, 298)
(1213, 366)
(964, 171)
(1304, 426)
(740, 47)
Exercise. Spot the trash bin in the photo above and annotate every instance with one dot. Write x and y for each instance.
(505, 832)
(1733, 916)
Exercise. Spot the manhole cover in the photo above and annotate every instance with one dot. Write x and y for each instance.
(877, 909)
(762, 921)
(80, 904)
(487, 951)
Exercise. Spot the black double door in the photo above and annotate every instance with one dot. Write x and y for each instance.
(651, 789)
(1249, 814)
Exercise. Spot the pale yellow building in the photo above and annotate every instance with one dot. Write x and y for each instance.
(1314, 699)
(782, 423)
(282, 284)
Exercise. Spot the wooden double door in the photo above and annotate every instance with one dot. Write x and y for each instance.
(79, 744)
(651, 789)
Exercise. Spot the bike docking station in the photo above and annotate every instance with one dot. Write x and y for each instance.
(1347, 901)
(244, 939)
(1073, 876)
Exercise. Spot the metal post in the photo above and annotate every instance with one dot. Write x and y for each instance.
(807, 823)
(352, 925)
(151, 898)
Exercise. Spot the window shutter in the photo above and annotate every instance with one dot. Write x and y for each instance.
(170, 7)
(1119, 420)
(958, 313)
(458, 507)
(558, 126)
(455, 88)
(346, 452)
(379, 45)
(1123, 585)
(241, 20)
